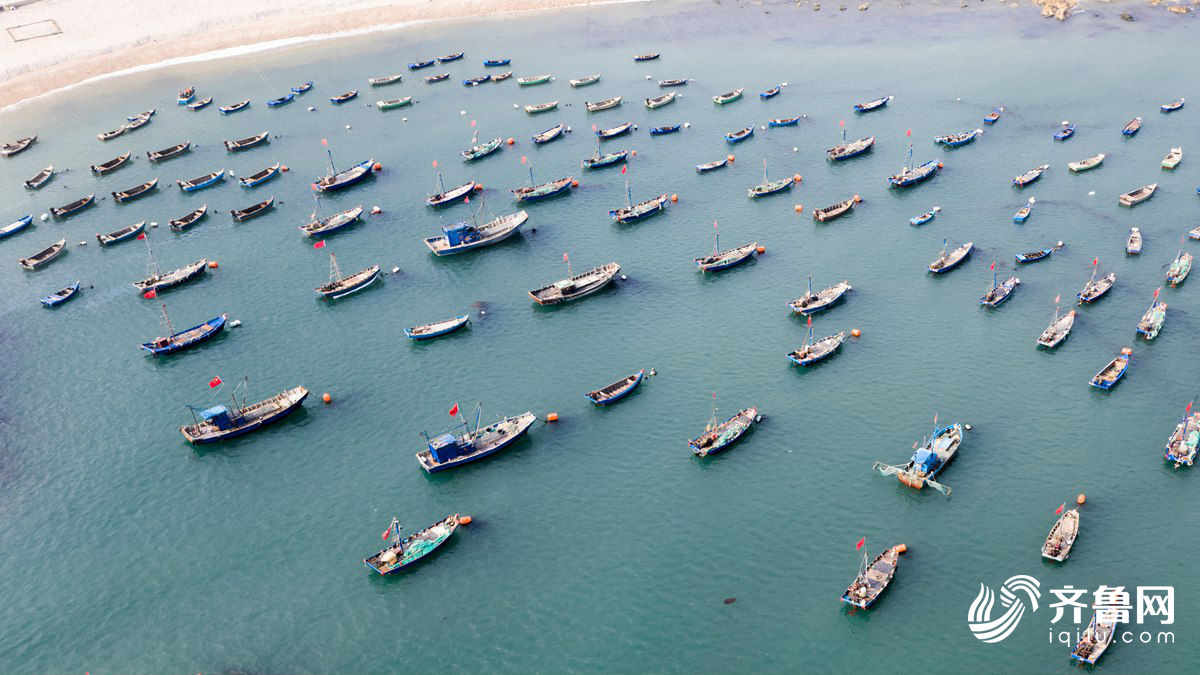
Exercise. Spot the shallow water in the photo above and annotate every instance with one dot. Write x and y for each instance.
(599, 543)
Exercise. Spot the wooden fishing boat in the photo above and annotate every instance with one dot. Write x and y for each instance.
(447, 451)
(576, 286)
(718, 437)
(727, 97)
(811, 303)
(719, 260)
(1067, 131)
(259, 177)
(248, 142)
(1138, 196)
(1085, 164)
(476, 81)
(1039, 254)
(536, 193)
(1022, 213)
(340, 286)
(342, 98)
(1172, 159)
(929, 459)
(385, 80)
(465, 236)
(1095, 288)
(770, 187)
(1113, 372)
(408, 551)
(137, 123)
(912, 175)
(1181, 446)
(999, 292)
(200, 105)
(1172, 106)
(541, 107)
(617, 390)
(450, 57)
(613, 132)
(13, 228)
(739, 135)
(110, 166)
(646, 57)
(1095, 641)
(991, 117)
(712, 166)
(341, 180)
(482, 150)
(1132, 127)
(665, 129)
(109, 135)
(1058, 330)
(948, 260)
(161, 281)
(135, 192)
(169, 153)
(437, 329)
(500, 77)
(959, 139)
(451, 196)
(185, 339)
(74, 207)
(1194, 233)
(44, 256)
(872, 105)
(549, 134)
(1180, 268)
(393, 103)
(302, 88)
(253, 211)
(1062, 537)
(40, 179)
(1134, 245)
(326, 226)
(124, 234)
(585, 80)
(924, 217)
(660, 101)
(282, 100)
(185, 96)
(220, 423)
(183, 223)
(234, 107)
(493, 63)
(1030, 175)
(837, 210)
(202, 182)
(597, 106)
(421, 64)
(599, 161)
(633, 212)
(59, 297)
(14, 147)
(785, 122)
(813, 351)
(681, 82)
(771, 93)
(1152, 321)
(873, 579)
(532, 80)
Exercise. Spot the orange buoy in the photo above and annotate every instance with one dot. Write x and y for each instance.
(799, 208)
(797, 178)
(674, 199)
(378, 167)
(729, 158)
(376, 210)
(284, 169)
(900, 548)
(212, 264)
(511, 140)
(552, 417)
(574, 183)
(1126, 351)
(464, 520)
(326, 397)
(633, 152)
(941, 166)
(856, 332)
(1081, 499)
(479, 187)
(857, 199)
(761, 249)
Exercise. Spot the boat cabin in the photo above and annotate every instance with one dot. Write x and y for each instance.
(458, 234)
(218, 416)
(446, 448)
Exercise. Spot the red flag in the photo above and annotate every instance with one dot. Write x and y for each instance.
(908, 133)
(841, 123)
(454, 410)
(467, 199)
(993, 267)
(1189, 408)
(524, 159)
(472, 123)
(565, 258)
(325, 142)
(387, 532)
(1060, 509)
(593, 127)
(1156, 292)
(150, 295)
(213, 383)
(435, 163)
(319, 244)
(714, 224)
(141, 236)
(810, 320)
(860, 543)
(1057, 298)
(1095, 261)
(624, 167)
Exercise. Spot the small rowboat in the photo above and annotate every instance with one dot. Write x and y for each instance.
(666, 129)
(720, 260)
(928, 461)
(785, 122)
(839, 209)
(1173, 158)
(596, 106)
(242, 215)
(123, 234)
(576, 287)
(646, 57)
(421, 64)
(169, 153)
(1194, 233)
(74, 207)
(617, 390)
(1085, 164)
(200, 105)
(342, 98)
(161, 281)
(1138, 196)
(739, 135)
(718, 437)
(1095, 288)
(259, 177)
(1132, 127)
(430, 79)
(144, 113)
(59, 297)
(607, 159)
(393, 103)
(451, 196)
(432, 330)
(482, 150)
(535, 79)
(924, 217)
(613, 132)
(185, 96)
(500, 77)
(537, 193)
(340, 287)
(851, 149)
(1022, 213)
(1113, 372)
(109, 135)
(811, 303)
(1171, 107)
(476, 81)
(412, 549)
(1181, 446)
(111, 165)
(1095, 641)
(1030, 175)
(201, 182)
(1153, 320)
(135, 192)
(1134, 245)
(248, 142)
(325, 226)
(712, 166)
(1067, 131)
(681, 82)
(137, 123)
(948, 260)
(991, 117)
(1180, 267)
(14, 147)
(549, 134)
(21, 224)
(1058, 330)
(957, 140)
(771, 93)
(585, 81)
(344, 179)
(40, 179)
(1039, 254)
(282, 100)
(302, 88)
(910, 177)
(181, 224)
(770, 187)
(44, 256)
(219, 422)
(999, 292)
(660, 101)
(185, 339)
(493, 63)
(813, 351)
(872, 105)
(450, 57)
(635, 212)
(727, 97)
(873, 579)
(385, 80)
(1062, 537)
(541, 107)
(232, 108)
(466, 235)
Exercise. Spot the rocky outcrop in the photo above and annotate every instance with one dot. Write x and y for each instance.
(1059, 9)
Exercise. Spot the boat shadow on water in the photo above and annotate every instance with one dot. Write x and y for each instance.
(297, 418)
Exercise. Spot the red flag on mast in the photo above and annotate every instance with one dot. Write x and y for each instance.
(1095, 261)
(325, 142)
(810, 320)
(1156, 292)
(150, 295)
(624, 167)
(1189, 407)
(214, 383)
(141, 236)
(993, 267)
(319, 244)
(435, 163)
(1060, 509)
(565, 258)
(908, 133)
(454, 410)
(860, 543)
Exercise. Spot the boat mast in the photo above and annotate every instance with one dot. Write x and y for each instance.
(335, 272)
(764, 170)
(441, 185)
(717, 241)
(629, 194)
(332, 168)
(567, 259)
(243, 385)
(167, 320)
(155, 273)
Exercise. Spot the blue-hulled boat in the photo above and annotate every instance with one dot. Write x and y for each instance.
(410, 550)
(785, 122)
(912, 175)
(476, 81)
(183, 223)
(739, 135)
(549, 134)
(136, 192)
(633, 212)
(957, 140)
(1030, 176)
(123, 234)
(448, 197)
(599, 161)
(646, 57)
(537, 193)
(770, 187)
(260, 177)
(184, 339)
(1039, 254)
(234, 107)
(872, 105)
(421, 64)
(873, 579)
(344, 179)
(948, 260)
(492, 63)
(852, 148)
(1095, 288)
(1095, 639)
(1022, 213)
(248, 142)
(200, 105)
(667, 129)
(771, 93)
(1113, 372)
(924, 217)
(450, 57)
(59, 297)
(40, 179)
(1185, 439)
(467, 235)
(9, 230)
(1171, 107)
(74, 207)
(814, 351)
(991, 117)
(929, 460)
(718, 437)
(1132, 127)
(342, 98)
(220, 423)
(320, 227)
(613, 132)
(302, 88)
(185, 96)
(447, 451)
(617, 390)
(437, 329)
(719, 260)
(720, 163)
(201, 182)
(999, 292)
(340, 286)
(1067, 131)
(286, 98)
(811, 303)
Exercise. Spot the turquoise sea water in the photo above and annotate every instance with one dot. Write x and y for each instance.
(599, 543)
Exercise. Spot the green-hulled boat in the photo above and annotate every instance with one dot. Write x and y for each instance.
(536, 79)
(541, 107)
(407, 551)
(727, 97)
(394, 103)
(481, 150)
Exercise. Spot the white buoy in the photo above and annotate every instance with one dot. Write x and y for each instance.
(967, 427)
(235, 323)
(462, 112)
(482, 312)
(794, 149)
(648, 77)
(310, 108)
(347, 126)
(395, 270)
(376, 210)
(515, 106)
(958, 99)
(687, 125)
(568, 129)
(783, 84)
(1092, 193)
(624, 278)
(82, 242)
(44, 217)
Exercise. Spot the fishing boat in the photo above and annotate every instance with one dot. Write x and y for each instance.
(138, 116)
(494, 63)
(169, 153)
(500, 77)
(14, 147)
(535, 193)
(959, 139)
(770, 93)
(1085, 164)
(124, 234)
(446, 450)
(813, 351)
(739, 135)
(1038, 254)
(161, 281)
(467, 235)
(872, 105)
(727, 97)
(302, 88)
(1180, 268)
(137, 123)
(1022, 213)
(613, 132)
(450, 57)
(873, 579)
(183, 223)
(340, 286)
(633, 212)
(259, 177)
(111, 165)
(1062, 537)
(679, 82)
(40, 179)
(1172, 159)
(252, 211)
(597, 106)
(598, 160)
(665, 129)
(929, 459)
(1030, 175)
(437, 329)
(340, 180)
(449, 197)
(991, 117)
(185, 339)
(1067, 131)
(912, 175)
(617, 390)
(248, 142)
(719, 260)
(185, 96)
(1152, 321)
(342, 98)
(712, 166)
(1095, 288)
(532, 80)
(1138, 196)
(837, 210)
(718, 437)
(135, 192)
(1172, 106)
(549, 134)
(220, 423)
(319, 227)
(1134, 245)
(948, 260)
(769, 187)
(1112, 373)
(202, 182)
(476, 81)
(74, 207)
(482, 150)
(660, 101)
(200, 105)
(646, 57)
(15, 227)
(851, 149)
(282, 100)
(234, 107)
(585, 80)
(1058, 330)
(384, 80)
(785, 122)
(1096, 639)
(999, 292)
(811, 303)
(421, 64)
(575, 286)
(393, 103)
(59, 297)
(924, 217)
(44, 256)
(406, 552)
(541, 107)
(109, 135)
(1181, 446)
(1132, 127)
(1194, 233)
